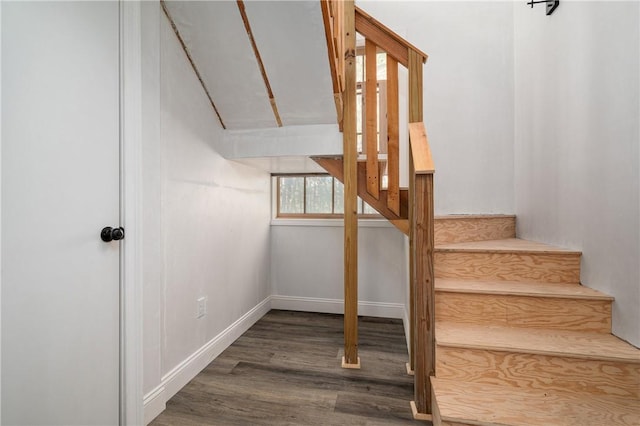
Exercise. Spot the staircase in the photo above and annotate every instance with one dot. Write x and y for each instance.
(501, 330)
(518, 340)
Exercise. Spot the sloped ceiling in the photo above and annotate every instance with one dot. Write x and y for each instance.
(290, 39)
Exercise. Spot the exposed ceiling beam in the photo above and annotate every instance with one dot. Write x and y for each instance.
(193, 65)
(247, 26)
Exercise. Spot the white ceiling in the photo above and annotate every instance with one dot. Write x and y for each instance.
(290, 38)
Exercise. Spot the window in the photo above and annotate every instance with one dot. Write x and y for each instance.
(314, 196)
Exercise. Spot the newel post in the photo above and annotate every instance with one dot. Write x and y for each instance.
(421, 241)
(350, 167)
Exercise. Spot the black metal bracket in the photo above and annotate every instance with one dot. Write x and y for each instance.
(551, 5)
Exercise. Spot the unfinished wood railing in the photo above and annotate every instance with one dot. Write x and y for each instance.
(381, 171)
(421, 260)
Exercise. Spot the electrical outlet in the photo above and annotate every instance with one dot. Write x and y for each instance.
(202, 307)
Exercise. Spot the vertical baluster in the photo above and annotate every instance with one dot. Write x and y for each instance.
(382, 117)
(393, 146)
(371, 115)
(382, 131)
(363, 117)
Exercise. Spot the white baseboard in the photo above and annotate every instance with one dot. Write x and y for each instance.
(336, 306)
(172, 382)
(154, 403)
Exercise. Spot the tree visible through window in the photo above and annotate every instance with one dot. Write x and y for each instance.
(314, 196)
(291, 195)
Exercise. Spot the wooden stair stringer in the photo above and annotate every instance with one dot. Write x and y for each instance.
(334, 166)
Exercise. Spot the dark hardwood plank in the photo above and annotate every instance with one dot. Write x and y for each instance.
(366, 405)
(286, 370)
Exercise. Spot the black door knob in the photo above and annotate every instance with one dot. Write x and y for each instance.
(110, 234)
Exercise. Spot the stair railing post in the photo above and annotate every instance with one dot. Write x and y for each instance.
(350, 159)
(415, 116)
(421, 258)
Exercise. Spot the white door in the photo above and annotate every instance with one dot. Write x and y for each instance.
(60, 187)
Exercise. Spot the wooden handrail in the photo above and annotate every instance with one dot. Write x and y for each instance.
(420, 150)
(382, 36)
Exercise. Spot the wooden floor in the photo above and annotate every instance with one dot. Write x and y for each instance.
(285, 370)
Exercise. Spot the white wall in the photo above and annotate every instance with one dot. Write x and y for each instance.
(307, 266)
(468, 96)
(206, 224)
(577, 142)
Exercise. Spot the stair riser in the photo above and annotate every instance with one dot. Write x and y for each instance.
(437, 418)
(480, 404)
(460, 230)
(543, 267)
(524, 311)
(539, 371)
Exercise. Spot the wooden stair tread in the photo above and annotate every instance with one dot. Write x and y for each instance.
(465, 403)
(508, 245)
(562, 343)
(514, 288)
